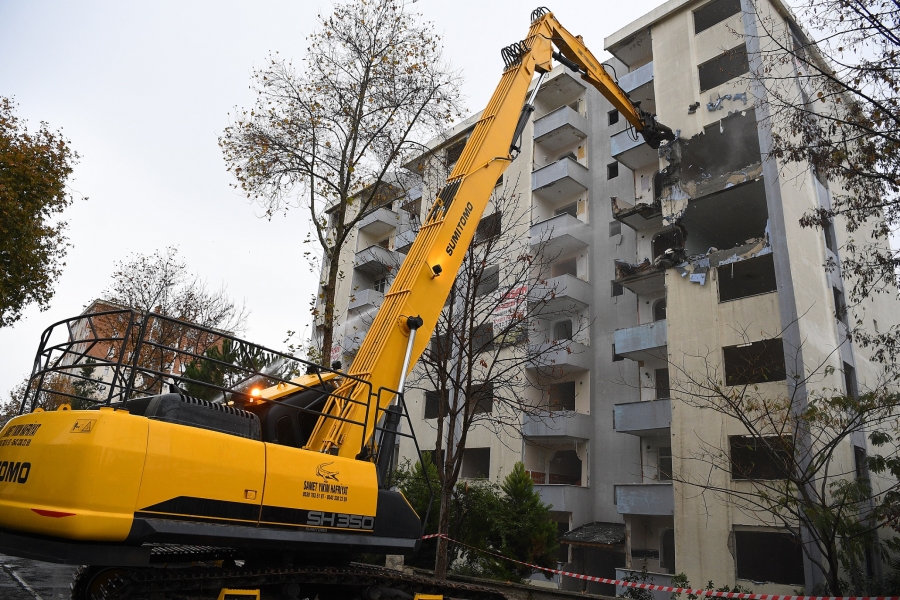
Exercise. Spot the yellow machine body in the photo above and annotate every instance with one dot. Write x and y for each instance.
(85, 475)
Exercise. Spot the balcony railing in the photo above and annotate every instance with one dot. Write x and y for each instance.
(559, 235)
(639, 86)
(642, 342)
(377, 260)
(645, 499)
(365, 300)
(643, 418)
(403, 241)
(560, 180)
(560, 128)
(557, 427)
(562, 294)
(629, 148)
(565, 498)
(379, 222)
(641, 76)
(560, 359)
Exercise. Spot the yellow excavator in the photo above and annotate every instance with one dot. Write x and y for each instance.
(167, 484)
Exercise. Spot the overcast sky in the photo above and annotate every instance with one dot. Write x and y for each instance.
(143, 90)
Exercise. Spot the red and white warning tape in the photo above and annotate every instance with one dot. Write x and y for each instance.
(661, 588)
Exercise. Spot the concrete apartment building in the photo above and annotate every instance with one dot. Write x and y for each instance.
(749, 278)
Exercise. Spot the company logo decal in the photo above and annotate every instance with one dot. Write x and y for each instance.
(19, 435)
(326, 474)
(14, 472)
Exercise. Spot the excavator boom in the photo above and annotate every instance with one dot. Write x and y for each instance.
(426, 276)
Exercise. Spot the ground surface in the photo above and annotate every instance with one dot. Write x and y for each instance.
(46, 581)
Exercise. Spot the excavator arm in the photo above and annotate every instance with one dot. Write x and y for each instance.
(426, 276)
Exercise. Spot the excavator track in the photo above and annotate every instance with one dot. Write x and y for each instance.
(344, 582)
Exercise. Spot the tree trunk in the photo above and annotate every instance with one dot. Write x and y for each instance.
(834, 575)
(442, 559)
(328, 292)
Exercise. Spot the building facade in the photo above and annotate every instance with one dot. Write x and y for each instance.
(681, 261)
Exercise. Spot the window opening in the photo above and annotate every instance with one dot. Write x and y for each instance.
(830, 238)
(612, 170)
(662, 384)
(476, 463)
(850, 381)
(664, 463)
(490, 280)
(482, 398)
(483, 338)
(564, 267)
(433, 404)
(746, 278)
(840, 307)
(714, 12)
(615, 228)
(659, 310)
(562, 330)
(454, 152)
(565, 468)
(754, 458)
(562, 396)
(612, 117)
(617, 289)
(667, 558)
(380, 285)
(769, 556)
(757, 362)
(723, 67)
(488, 228)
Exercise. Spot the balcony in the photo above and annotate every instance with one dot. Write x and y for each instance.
(557, 427)
(565, 498)
(562, 294)
(645, 499)
(639, 86)
(379, 222)
(377, 260)
(560, 128)
(643, 281)
(643, 418)
(560, 235)
(638, 217)
(560, 90)
(363, 300)
(631, 152)
(558, 361)
(642, 342)
(560, 181)
(403, 241)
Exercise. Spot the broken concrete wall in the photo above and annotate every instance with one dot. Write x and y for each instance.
(725, 154)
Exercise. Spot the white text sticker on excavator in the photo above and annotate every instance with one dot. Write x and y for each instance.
(83, 426)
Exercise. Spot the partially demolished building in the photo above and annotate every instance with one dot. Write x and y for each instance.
(683, 262)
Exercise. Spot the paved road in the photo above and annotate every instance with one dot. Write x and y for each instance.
(46, 581)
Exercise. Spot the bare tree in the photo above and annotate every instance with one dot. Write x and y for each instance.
(329, 137)
(492, 354)
(161, 283)
(791, 458)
